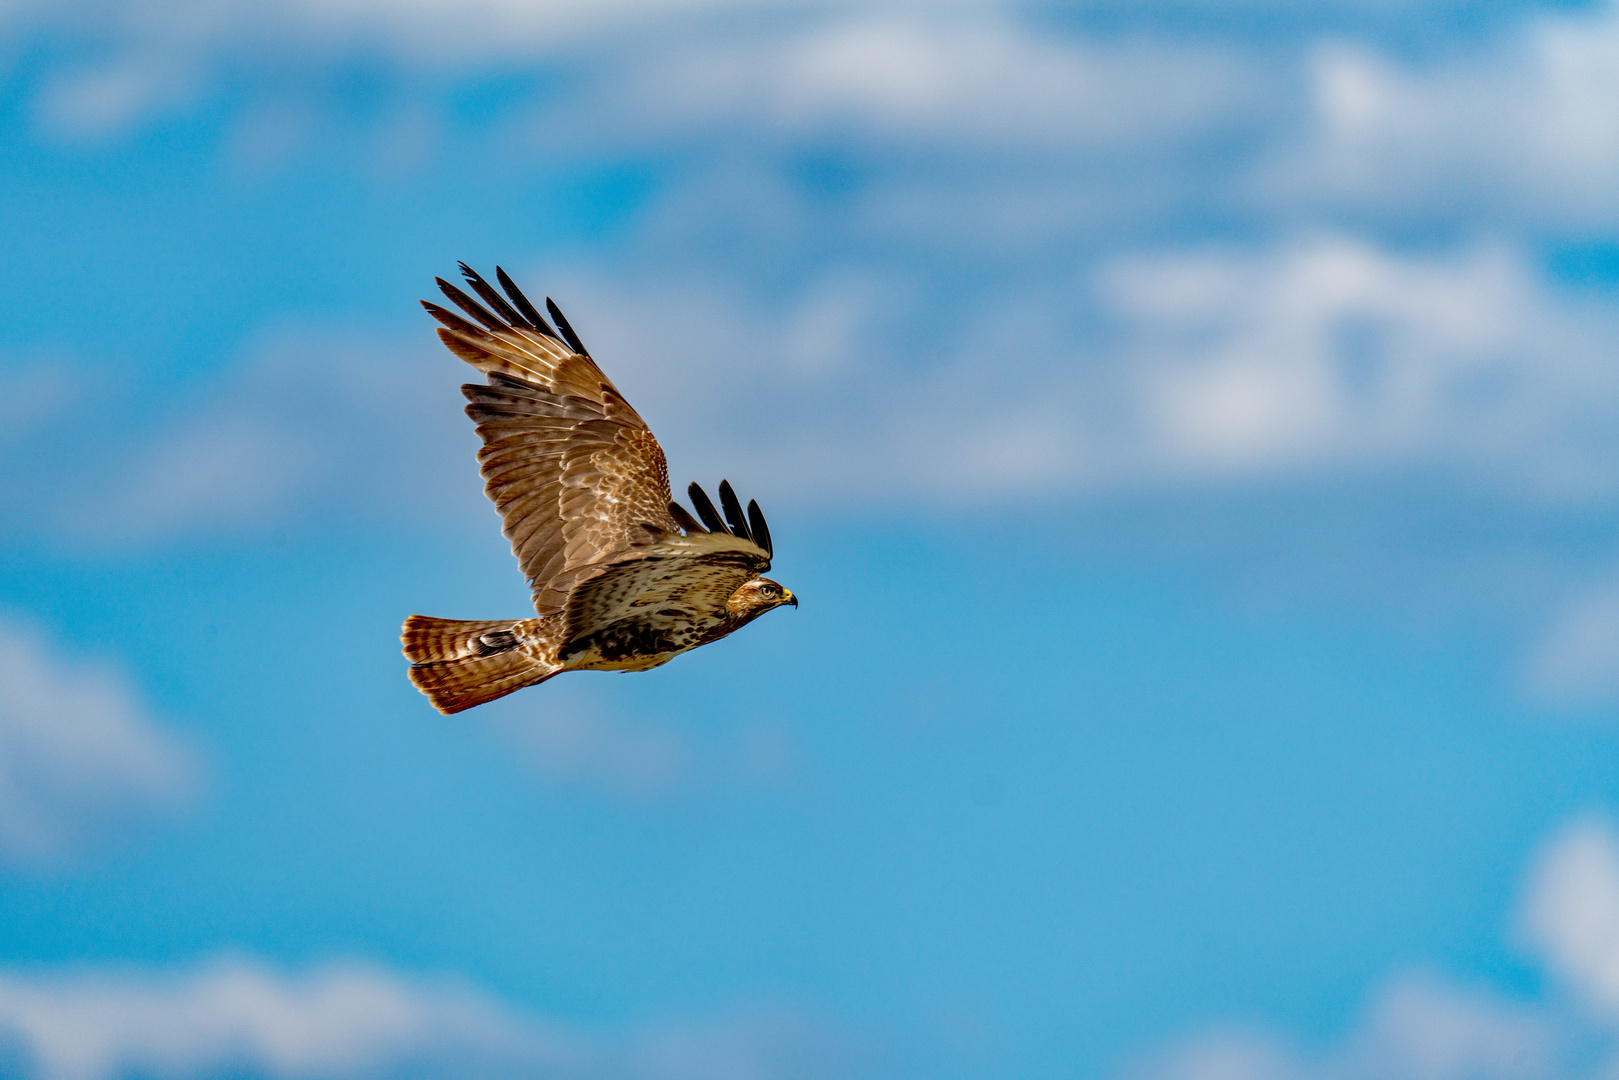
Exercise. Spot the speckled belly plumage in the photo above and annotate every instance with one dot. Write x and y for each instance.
(639, 644)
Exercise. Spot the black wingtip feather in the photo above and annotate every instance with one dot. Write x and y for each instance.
(761, 531)
(705, 508)
(684, 519)
(492, 298)
(567, 331)
(469, 305)
(453, 321)
(733, 511)
(523, 304)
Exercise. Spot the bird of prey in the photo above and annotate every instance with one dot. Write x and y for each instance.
(623, 577)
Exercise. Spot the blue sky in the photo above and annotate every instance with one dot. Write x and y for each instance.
(1188, 425)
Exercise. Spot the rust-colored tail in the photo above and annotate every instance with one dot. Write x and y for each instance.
(459, 664)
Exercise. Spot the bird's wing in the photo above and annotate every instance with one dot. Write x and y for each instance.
(693, 575)
(569, 463)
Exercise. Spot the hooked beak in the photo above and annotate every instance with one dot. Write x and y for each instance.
(790, 598)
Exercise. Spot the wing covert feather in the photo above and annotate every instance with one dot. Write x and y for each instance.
(567, 461)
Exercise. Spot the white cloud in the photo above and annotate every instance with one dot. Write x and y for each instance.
(338, 1020)
(755, 1044)
(1417, 1029)
(960, 75)
(1327, 350)
(1522, 124)
(233, 1016)
(1423, 1029)
(1525, 126)
(1222, 1055)
(1313, 355)
(1316, 353)
(148, 58)
(431, 31)
(94, 102)
(1427, 1031)
(965, 78)
(1042, 375)
(312, 422)
(1571, 911)
(78, 755)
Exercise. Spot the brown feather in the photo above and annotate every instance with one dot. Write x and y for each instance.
(683, 516)
(459, 663)
(695, 572)
(569, 464)
(622, 577)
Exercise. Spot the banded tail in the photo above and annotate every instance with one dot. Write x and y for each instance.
(459, 664)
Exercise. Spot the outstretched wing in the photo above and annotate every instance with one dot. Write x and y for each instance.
(673, 581)
(569, 463)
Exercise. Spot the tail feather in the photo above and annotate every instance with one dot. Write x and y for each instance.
(427, 639)
(459, 663)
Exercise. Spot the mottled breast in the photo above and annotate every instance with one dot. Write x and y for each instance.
(644, 641)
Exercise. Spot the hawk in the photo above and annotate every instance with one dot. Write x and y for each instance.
(623, 577)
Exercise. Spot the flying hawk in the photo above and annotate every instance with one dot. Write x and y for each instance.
(623, 577)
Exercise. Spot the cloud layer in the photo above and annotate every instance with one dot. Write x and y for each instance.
(1571, 913)
(1321, 353)
(1521, 131)
(1010, 291)
(907, 257)
(79, 757)
(235, 1016)
(1417, 1029)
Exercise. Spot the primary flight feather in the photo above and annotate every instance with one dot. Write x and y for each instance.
(623, 577)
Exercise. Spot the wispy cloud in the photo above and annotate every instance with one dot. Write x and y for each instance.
(916, 255)
(1418, 1028)
(1424, 1028)
(93, 102)
(980, 311)
(434, 32)
(79, 756)
(960, 78)
(234, 1016)
(1576, 660)
(1571, 911)
(341, 425)
(1316, 354)
(1523, 128)
(1325, 351)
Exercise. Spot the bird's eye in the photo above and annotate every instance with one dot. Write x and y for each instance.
(770, 590)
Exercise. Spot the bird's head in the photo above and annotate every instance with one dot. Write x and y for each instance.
(757, 596)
